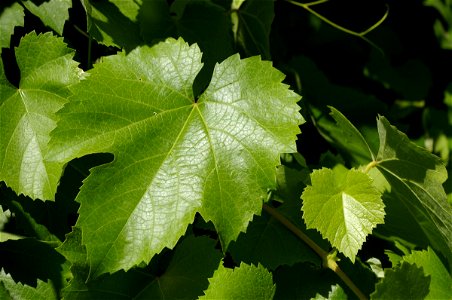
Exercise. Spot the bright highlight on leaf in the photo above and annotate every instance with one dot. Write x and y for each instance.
(174, 156)
(9, 289)
(27, 113)
(244, 282)
(343, 206)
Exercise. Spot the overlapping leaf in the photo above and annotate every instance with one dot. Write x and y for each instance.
(12, 290)
(52, 13)
(10, 17)
(174, 155)
(416, 177)
(441, 281)
(243, 282)
(27, 114)
(406, 281)
(344, 206)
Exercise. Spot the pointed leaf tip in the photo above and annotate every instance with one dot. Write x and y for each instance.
(343, 206)
(174, 156)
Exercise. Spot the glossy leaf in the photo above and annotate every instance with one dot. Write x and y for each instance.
(416, 178)
(243, 282)
(52, 13)
(343, 206)
(174, 155)
(27, 114)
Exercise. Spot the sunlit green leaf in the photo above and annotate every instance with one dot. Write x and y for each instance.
(27, 114)
(10, 17)
(9, 289)
(343, 206)
(52, 13)
(243, 282)
(174, 155)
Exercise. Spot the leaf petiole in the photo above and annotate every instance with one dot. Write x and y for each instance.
(328, 259)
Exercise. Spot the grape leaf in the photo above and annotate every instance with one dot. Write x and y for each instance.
(194, 260)
(244, 282)
(52, 13)
(12, 290)
(416, 177)
(114, 22)
(27, 114)
(174, 155)
(343, 206)
(351, 136)
(336, 293)
(441, 281)
(10, 17)
(403, 282)
(26, 266)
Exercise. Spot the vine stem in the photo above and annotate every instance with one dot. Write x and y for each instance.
(328, 260)
(361, 34)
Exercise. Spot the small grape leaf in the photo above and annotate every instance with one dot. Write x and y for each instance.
(343, 206)
(174, 155)
(403, 282)
(9, 289)
(27, 114)
(416, 177)
(10, 17)
(243, 282)
(53, 13)
(441, 281)
(336, 293)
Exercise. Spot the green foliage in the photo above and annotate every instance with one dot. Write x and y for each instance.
(151, 149)
(344, 213)
(404, 282)
(243, 282)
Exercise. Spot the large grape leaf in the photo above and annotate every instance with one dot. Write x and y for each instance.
(343, 206)
(52, 13)
(10, 17)
(174, 155)
(243, 282)
(416, 178)
(27, 113)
